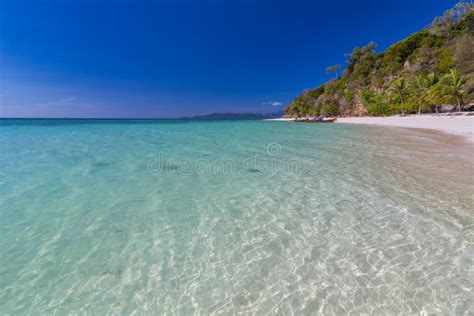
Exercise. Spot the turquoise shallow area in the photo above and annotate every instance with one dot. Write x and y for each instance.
(190, 217)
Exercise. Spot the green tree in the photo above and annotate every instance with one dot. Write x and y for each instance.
(334, 69)
(376, 103)
(453, 84)
(445, 25)
(433, 93)
(400, 90)
(424, 94)
(418, 94)
(361, 62)
(464, 53)
(330, 108)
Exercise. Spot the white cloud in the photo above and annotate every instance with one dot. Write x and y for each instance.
(273, 103)
(68, 99)
(70, 102)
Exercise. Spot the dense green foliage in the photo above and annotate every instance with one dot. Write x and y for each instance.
(429, 68)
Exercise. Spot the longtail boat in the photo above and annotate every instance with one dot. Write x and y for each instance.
(325, 120)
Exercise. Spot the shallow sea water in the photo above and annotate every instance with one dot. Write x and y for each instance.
(238, 217)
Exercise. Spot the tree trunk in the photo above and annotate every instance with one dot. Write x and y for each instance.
(459, 103)
(403, 104)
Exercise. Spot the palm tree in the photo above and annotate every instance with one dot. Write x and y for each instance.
(425, 93)
(453, 86)
(419, 93)
(399, 88)
(334, 69)
(431, 84)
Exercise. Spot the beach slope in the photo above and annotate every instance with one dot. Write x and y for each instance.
(459, 125)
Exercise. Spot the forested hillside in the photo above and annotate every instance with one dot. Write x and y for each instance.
(430, 68)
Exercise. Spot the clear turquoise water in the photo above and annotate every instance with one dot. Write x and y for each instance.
(188, 217)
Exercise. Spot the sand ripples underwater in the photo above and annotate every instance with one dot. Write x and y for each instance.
(135, 218)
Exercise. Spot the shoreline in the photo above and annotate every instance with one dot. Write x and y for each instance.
(460, 125)
(456, 125)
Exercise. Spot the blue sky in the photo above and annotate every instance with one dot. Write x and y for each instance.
(168, 58)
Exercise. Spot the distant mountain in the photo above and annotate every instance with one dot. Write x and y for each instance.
(235, 116)
(274, 115)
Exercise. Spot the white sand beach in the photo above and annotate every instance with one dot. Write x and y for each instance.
(459, 125)
(462, 125)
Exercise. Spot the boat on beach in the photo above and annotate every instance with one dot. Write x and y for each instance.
(315, 120)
